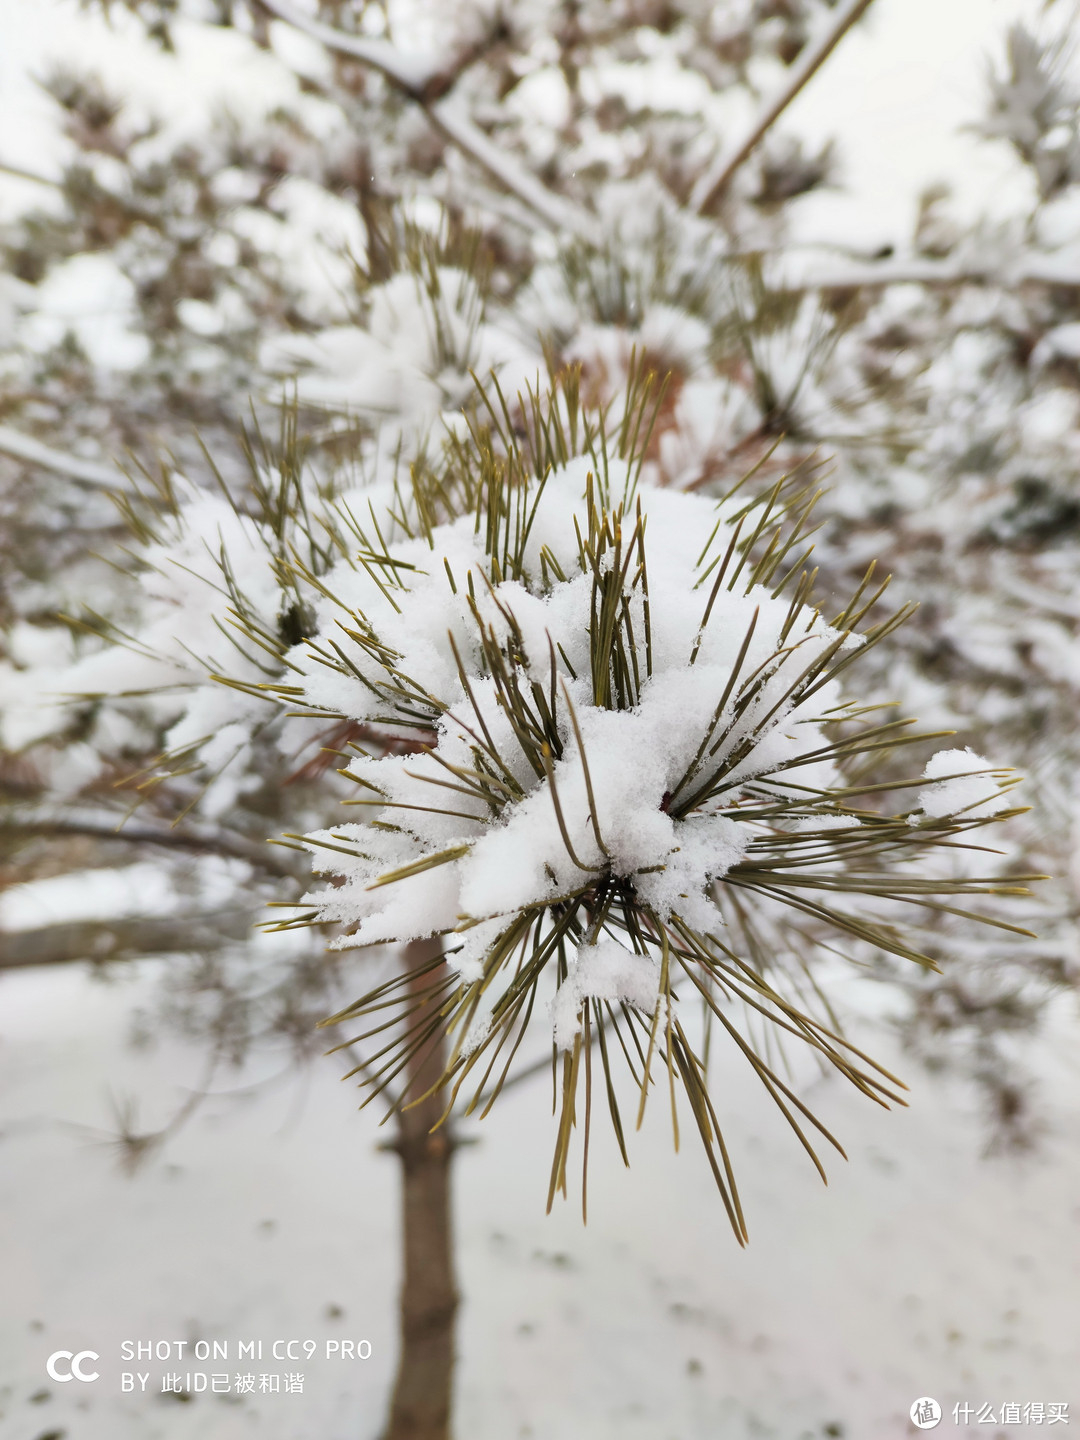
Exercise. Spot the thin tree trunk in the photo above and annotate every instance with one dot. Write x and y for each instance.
(421, 1404)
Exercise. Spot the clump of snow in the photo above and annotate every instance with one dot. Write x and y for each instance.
(440, 850)
(605, 971)
(392, 364)
(964, 785)
(89, 297)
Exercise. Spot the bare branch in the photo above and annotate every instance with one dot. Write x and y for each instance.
(201, 839)
(84, 472)
(714, 182)
(424, 84)
(127, 938)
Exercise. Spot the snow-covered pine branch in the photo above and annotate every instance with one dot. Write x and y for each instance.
(73, 467)
(627, 752)
(599, 733)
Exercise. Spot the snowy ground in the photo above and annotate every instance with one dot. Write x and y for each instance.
(924, 1269)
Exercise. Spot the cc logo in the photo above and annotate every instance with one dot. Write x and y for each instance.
(74, 1371)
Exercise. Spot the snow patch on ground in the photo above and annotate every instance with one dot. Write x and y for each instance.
(924, 1268)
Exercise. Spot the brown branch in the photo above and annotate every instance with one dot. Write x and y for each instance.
(714, 182)
(350, 732)
(201, 839)
(123, 939)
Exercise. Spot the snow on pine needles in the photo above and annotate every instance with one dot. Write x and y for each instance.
(599, 742)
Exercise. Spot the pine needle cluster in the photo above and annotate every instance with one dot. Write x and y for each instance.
(604, 745)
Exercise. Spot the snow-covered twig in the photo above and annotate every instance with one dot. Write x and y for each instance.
(205, 839)
(84, 472)
(421, 82)
(1034, 270)
(712, 184)
(448, 117)
(408, 72)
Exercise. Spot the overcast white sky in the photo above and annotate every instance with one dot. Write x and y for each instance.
(895, 95)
